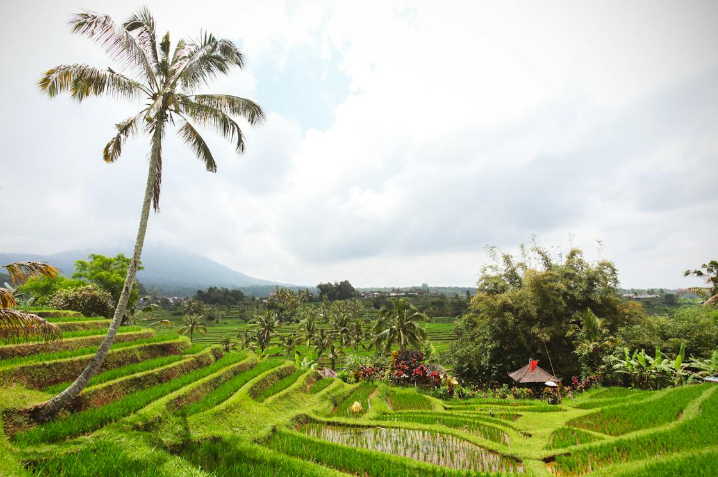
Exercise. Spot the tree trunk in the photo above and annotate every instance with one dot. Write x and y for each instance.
(48, 409)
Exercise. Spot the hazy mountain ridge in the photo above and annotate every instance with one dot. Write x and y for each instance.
(169, 270)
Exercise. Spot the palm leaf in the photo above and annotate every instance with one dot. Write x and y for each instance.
(21, 271)
(143, 23)
(17, 326)
(125, 129)
(200, 62)
(7, 299)
(232, 105)
(118, 42)
(83, 81)
(216, 119)
(192, 138)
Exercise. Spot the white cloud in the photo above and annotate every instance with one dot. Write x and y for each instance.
(463, 125)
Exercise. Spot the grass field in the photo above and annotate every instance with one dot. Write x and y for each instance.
(204, 412)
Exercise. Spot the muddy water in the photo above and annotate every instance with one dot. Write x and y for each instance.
(440, 449)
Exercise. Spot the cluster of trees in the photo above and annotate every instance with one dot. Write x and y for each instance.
(336, 291)
(566, 312)
(220, 296)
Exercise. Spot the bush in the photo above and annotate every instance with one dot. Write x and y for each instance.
(88, 300)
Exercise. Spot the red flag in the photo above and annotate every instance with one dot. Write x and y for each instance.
(534, 363)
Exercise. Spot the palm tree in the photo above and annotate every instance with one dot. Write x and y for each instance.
(397, 324)
(190, 324)
(309, 329)
(18, 326)
(709, 273)
(335, 353)
(322, 341)
(591, 337)
(168, 80)
(268, 324)
(356, 333)
(288, 342)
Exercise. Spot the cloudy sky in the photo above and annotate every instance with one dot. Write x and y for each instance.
(402, 138)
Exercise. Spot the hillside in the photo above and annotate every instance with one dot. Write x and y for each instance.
(169, 270)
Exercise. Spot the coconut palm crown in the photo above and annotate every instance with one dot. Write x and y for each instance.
(168, 80)
(397, 325)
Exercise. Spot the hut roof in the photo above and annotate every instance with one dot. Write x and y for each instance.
(538, 375)
(327, 373)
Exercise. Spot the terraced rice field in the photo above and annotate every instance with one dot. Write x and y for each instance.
(161, 407)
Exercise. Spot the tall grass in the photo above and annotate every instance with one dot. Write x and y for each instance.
(360, 395)
(404, 401)
(71, 334)
(320, 385)
(569, 436)
(619, 420)
(228, 388)
(94, 418)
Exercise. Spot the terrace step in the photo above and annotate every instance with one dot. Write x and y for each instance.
(27, 349)
(47, 373)
(83, 325)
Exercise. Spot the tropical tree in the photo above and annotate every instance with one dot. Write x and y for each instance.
(322, 341)
(168, 80)
(591, 339)
(288, 342)
(397, 325)
(356, 334)
(15, 325)
(335, 354)
(226, 343)
(308, 329)
(268, 324)
(709, 273)
(192, 324)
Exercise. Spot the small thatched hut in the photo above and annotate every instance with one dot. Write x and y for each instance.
(532, 374)
(327, 373)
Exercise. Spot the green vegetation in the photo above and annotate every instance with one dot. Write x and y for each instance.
(568, 436)
(280, 385)
(321, 385)
(361, 395)
(469, 424)
(403, 401)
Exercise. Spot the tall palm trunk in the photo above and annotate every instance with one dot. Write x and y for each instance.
(48, 409)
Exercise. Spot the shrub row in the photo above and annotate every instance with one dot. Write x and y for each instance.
(268, 381)
(92, 419)
(47, 373)
(27, 349)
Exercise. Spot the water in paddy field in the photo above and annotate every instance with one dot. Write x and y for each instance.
(439, 449)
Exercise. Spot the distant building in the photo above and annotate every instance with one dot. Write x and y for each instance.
(640, 297)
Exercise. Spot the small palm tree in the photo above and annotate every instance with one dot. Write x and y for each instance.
(356, 334)
(192, 324)
(288, 342)
(226, 343)
(397, 325)
(308, 329)
(268, 324)
(709, 273)
(167, 79)
(322, 341)
(17, 326)
(335, 354)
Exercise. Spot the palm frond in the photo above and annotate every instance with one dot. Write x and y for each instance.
(83, 81)
(214, 118)
(164, 65)
(117, 42)
(21, 271)
(233, 106)
(204, 60)
(125, 129)
(143, 23)
(17, 326)
(192, 138)
(7, 299)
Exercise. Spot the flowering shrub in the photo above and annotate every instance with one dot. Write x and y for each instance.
(407, 368)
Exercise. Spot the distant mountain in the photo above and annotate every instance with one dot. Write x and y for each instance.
(169, 270)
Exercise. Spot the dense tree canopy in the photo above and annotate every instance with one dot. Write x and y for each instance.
(108, 273)
(524, 308)
(336, 291)
(219, 296)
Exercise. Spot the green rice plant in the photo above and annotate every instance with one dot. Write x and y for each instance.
(702, 464)
(270, 380)
(615, 392)
(691, 434)
(401, 401)
(78, 333)
(123, 371)
(320, 385)
(196, 348)
(448, 420)
(496, 421)
(361, 395)
(228, 388)
(94, 418)
(363, 461)
(619, 420)
(100, 459)
(9, 352)
(236, 458)
(569, 436)
(71, 353)
(280, 385)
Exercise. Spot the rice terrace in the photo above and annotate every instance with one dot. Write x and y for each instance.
(146, 359)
